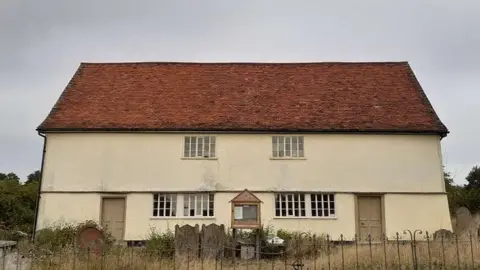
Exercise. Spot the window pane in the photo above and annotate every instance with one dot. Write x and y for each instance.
(294, 146)
(274, 146)
(198, 208)
(186, 147)
(193, 146)
(300, 146)
(200, 147)
(155, 212)
(206, 147)
(185, 205)
(287, 147)
(281, 146)
(192, 205)
(303, 212)
(212, 147)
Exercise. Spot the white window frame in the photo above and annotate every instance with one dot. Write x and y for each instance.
(161, 211)
(308, 205)
(288, 147)
(290, 204)
(194, 147)
(202, 205)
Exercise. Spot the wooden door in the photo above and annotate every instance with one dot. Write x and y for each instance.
(370, 218)
(113, 216)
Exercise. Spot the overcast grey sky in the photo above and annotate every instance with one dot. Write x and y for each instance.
(43, 42)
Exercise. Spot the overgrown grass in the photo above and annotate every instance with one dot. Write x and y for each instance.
(63, 235)
(394, 256)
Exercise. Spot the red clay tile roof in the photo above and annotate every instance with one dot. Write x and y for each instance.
(309, 97)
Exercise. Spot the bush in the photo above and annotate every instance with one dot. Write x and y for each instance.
(162, 244)
(62, 236)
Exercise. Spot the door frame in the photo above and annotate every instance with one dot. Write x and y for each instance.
(114, 196)
(357, 216)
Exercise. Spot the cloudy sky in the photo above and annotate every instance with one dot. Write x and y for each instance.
(43, 42)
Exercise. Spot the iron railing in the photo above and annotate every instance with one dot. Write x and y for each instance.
(407, 250)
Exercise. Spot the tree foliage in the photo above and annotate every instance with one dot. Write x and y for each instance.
(473, 178)
(467, 195)
(17, 202)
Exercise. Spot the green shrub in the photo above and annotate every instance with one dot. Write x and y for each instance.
(162, 244)
(61, 236)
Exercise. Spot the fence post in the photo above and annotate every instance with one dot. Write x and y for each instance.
(356, 251)
(427, 236)
(328, 251)
(458, 253)
(314, 252)
(3, 257)
(471, 248)
(397, 238)
(369, 239)
(88, 257)
(443, 251)
(413, 245)
(384, 238)
(341, 247)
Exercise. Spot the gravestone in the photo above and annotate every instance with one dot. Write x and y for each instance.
(464, 220)
(442, 234)
(187, 240)
(90, 238)
(213, 240)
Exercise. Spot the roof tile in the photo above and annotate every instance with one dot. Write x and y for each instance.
(384, 96)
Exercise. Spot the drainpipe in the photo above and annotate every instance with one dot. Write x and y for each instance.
(35, 220)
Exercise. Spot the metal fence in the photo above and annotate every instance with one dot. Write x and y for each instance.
(408, 250)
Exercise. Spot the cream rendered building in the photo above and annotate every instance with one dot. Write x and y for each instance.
(337, 148)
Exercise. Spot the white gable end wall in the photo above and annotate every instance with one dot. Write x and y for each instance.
(81, 168)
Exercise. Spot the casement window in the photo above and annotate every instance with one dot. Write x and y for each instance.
(290, 205)
(305, 205)
(198, 205)
(199, 147)
(287, 146)
(164, 205)
(322, 205)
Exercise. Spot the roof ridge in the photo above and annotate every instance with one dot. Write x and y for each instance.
(249, 63)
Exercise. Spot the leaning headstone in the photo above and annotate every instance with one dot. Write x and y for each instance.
(464, 220)
(187, 241)
(442, 234)
(90, 238)
(213, 239)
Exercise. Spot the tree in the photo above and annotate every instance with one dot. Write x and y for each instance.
(17, 201)
(9, 177)
(473, 178)
(34, 177)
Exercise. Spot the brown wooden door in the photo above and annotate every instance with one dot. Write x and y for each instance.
(370, 217)
(113, 216)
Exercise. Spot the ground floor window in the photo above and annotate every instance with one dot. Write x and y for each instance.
(194, 204)
(198, 205)
(164, 205)
(304, 205)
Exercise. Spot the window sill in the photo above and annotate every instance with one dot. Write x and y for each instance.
(288, 158)
(182, 217)
(316, 218)
(199, 158)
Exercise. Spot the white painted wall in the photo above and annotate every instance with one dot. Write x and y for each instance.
(153, 162)
(426, 212)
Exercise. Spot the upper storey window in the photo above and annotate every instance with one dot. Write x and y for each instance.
(199, 147)
(287, 146)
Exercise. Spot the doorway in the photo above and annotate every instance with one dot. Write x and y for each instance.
(113, 216)
(369, 218)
